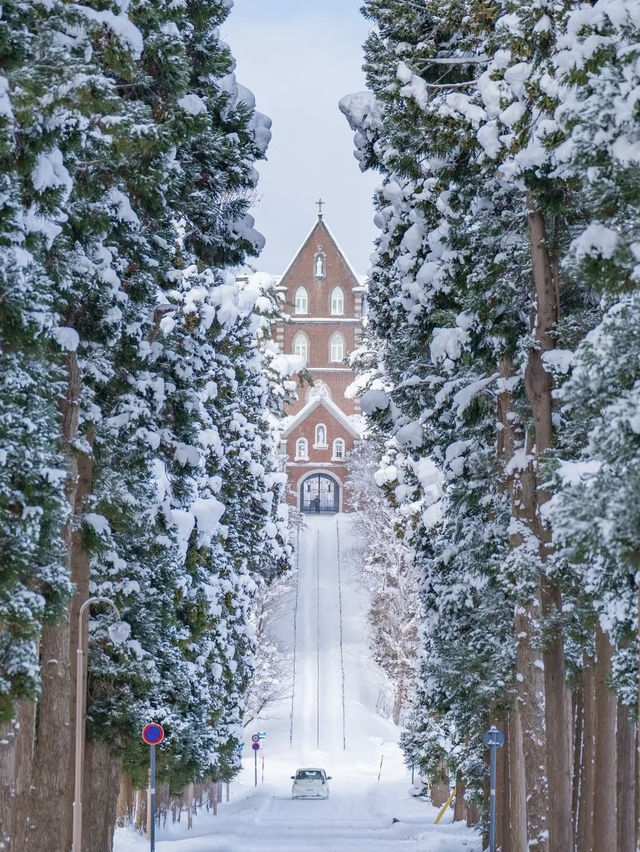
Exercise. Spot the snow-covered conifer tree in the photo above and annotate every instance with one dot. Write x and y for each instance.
(466, 295)
(134, 172)
(594, 515)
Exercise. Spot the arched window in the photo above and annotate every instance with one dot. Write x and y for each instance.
(301, 346)
(319, 264)
(301, 301)
(336, 347)
(301, 449)
(337, 302)
(338, 448)
(321, 435)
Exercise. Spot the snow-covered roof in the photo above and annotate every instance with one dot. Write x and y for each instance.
(344, 256)
(331, 407)
(320, 221)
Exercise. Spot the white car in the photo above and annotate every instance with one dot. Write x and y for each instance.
(310, 783)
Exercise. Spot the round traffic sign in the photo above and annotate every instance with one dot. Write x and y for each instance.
(255, 738)
(255, 746)
(153, 733)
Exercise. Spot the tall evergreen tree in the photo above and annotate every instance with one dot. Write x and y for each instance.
(134, 172)
(466, 295)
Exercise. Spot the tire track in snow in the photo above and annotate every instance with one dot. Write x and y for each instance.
(295, 640)
(318, 640)
(340, 611)
(318, 659)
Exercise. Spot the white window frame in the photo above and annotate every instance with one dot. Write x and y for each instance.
(336, 305)
(301, 301)
(303, 444)
(338, 442)
(333, 350)
(323, 445)
(301, 341)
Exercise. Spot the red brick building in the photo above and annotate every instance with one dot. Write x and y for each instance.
(323, 298)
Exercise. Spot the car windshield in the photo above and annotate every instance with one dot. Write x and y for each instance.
(309, 775)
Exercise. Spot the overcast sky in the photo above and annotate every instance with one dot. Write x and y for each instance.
(299, 57)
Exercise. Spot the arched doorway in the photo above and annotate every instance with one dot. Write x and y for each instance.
(319, 493)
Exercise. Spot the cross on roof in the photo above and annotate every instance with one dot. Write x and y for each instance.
(320, 202)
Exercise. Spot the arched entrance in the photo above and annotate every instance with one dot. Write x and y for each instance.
(319, 493)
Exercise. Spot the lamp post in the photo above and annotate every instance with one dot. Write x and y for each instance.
(80, 722)
(493, 739)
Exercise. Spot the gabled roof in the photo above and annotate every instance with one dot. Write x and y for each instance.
(320, 226)
(331, 407)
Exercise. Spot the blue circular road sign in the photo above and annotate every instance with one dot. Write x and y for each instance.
(153, 733)
(255, 746)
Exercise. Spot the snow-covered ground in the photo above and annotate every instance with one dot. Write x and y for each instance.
(330, 720)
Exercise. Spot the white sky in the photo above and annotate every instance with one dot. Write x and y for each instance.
(299, 57)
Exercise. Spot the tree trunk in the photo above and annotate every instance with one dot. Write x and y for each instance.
(638, 724)
(50, 824)
(530, 691)
(141, 821)
(53, 783)
(503, 805)
(626, 781)
(460, 808)
(102, 771)
(398, 701)
(473, 815)
(604, 802)
(529, 744)
(189, 807)
(538, 381)
(517, 784)
(126, 807)
(8, 786)
(587, 772)
(578, 745)
(16, 764)
(538, 385)
(558, 730)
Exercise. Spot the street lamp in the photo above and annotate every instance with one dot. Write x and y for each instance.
(117, 636)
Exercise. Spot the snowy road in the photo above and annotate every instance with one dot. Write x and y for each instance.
(317, 720)
(330, 720)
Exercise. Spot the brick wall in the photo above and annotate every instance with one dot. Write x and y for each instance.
(319, 325)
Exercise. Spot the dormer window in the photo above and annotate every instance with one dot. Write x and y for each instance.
(319, 264)
(337, 302)
(336, 347)
(301, 346)
(301, 301)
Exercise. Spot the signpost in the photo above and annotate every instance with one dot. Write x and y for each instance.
(493, 739)
(256, 748)
(152, 734)
(256, 740)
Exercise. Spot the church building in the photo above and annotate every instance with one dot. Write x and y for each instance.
(324, 303)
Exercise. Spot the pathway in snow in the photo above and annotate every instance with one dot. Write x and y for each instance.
(330, 720)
